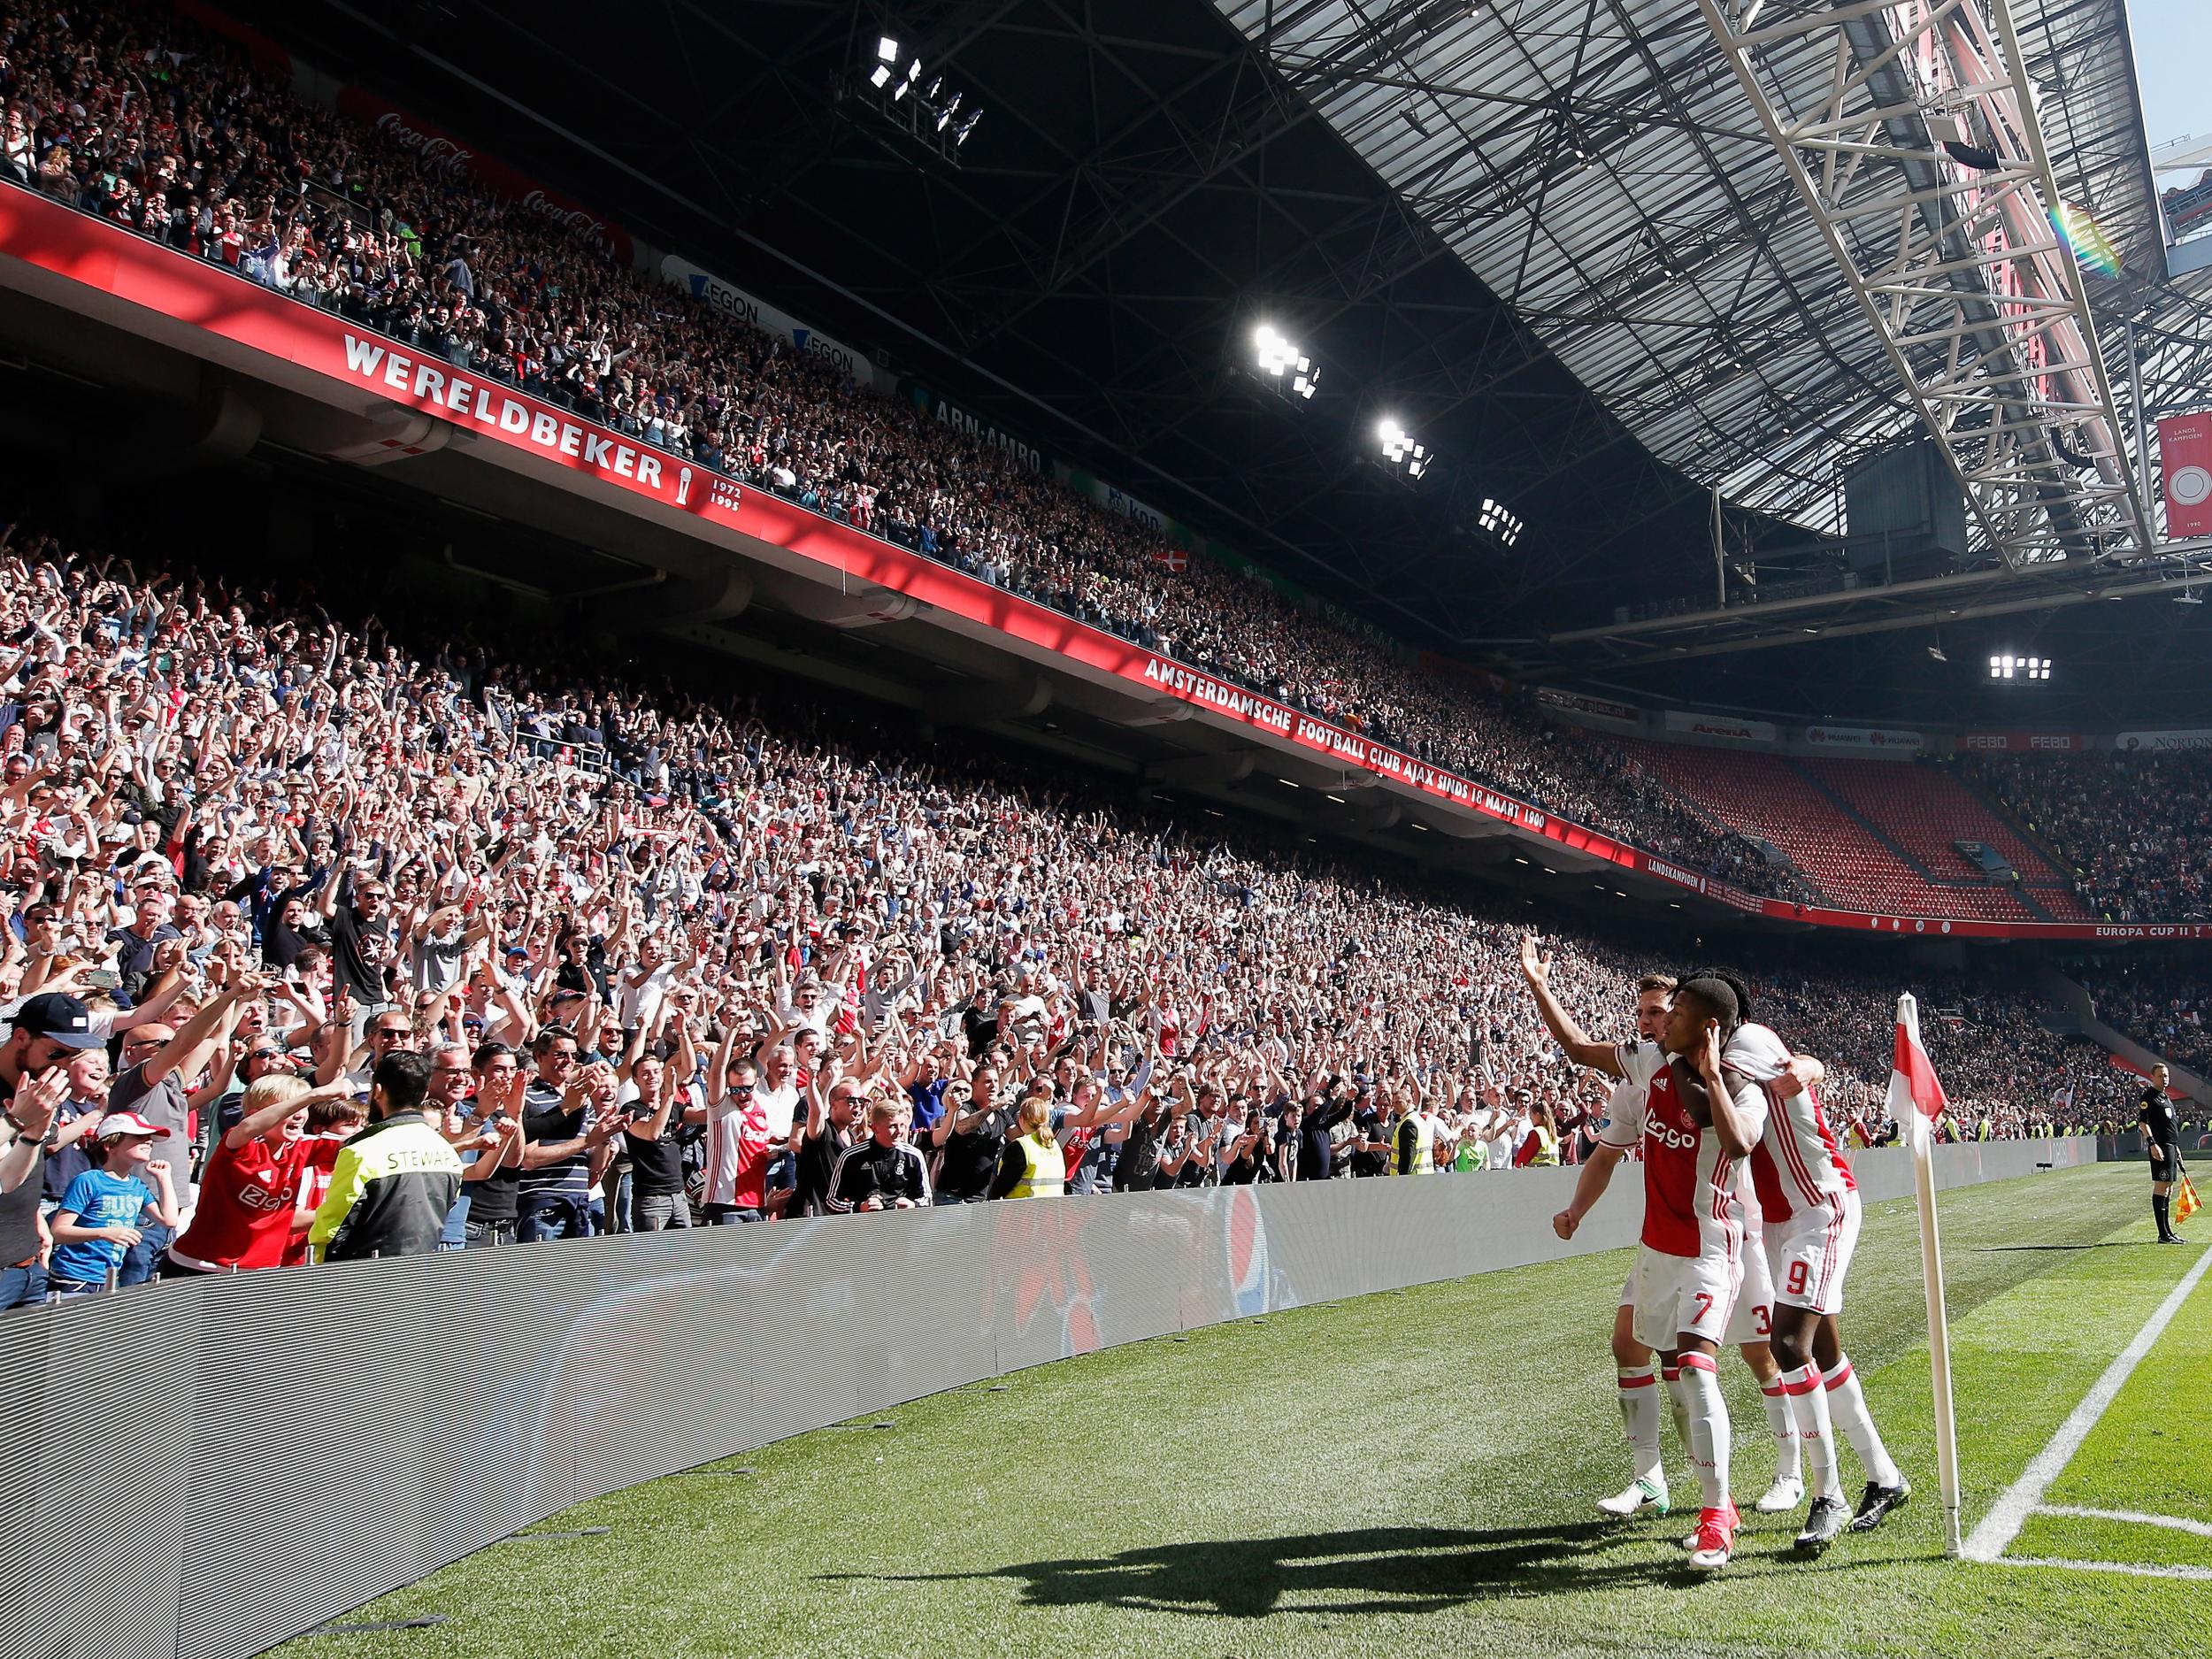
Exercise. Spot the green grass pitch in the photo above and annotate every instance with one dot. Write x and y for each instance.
(1412, 1473)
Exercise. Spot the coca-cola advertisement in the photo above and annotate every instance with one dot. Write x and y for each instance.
(442, 148)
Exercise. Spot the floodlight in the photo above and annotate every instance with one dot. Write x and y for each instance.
(1499, 520)
(1282, 361)
(878, 77)
(1400, 451)
(887, 50)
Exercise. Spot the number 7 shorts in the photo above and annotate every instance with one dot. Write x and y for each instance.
(1677, 1295)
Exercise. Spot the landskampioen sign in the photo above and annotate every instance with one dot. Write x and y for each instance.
(43, 233)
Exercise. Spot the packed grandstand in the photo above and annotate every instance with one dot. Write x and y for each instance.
(251, 836)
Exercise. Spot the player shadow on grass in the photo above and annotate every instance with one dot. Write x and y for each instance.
(1371, 1570)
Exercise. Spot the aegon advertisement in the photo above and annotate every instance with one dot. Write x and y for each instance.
(1720, 728)
(442, 150)
(732, 301)
(1865, 738)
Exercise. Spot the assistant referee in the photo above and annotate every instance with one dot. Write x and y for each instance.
(2162, 1133)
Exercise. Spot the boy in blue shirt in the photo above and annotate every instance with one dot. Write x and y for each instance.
(100, 1215)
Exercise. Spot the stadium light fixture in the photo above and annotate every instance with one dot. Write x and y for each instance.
(938, 124)
(2007, 666)
(1399, 453)
(1498, 520)
(1290, 370)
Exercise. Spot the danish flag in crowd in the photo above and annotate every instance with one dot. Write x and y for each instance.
(1915, 1097)
(1173, 557)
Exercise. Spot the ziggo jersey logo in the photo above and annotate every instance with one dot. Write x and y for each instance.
(1667, 1135)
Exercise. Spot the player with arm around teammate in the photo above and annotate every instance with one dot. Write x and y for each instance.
(1699, 1122)
(1636, 1373)
(1810, 1202)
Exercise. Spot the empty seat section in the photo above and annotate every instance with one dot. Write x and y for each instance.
(1766, 796)
(1927, 810)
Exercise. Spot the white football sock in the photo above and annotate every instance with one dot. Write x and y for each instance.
(1640, 1414)
(1708, 1428)
(1846, 1407)
(1783, 1422)
(1678, 1404)
(1807, 1401)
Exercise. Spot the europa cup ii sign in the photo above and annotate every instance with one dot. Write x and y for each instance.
(2184, 452)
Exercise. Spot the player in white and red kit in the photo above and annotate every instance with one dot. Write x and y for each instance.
(1805, 1188)
(1698, 1123)
(1637, 1375)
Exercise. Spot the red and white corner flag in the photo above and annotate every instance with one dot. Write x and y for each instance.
(1915, 1099)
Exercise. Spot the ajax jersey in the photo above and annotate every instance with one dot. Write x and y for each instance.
(1693, 1194)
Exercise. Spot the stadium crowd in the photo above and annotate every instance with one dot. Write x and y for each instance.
(649, 958)
(2135, 829)
(150, 124)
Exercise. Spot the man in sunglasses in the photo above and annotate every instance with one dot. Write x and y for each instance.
(738, 1141)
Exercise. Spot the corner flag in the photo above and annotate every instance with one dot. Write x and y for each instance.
(1916, 1099)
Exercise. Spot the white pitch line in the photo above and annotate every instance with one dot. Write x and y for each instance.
(2010, 1513)
(2202, 1529)
(2139, 1569)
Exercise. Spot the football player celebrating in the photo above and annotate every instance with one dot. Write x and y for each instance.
(1698, 1122)
(1811, 1206)
(1635, 1371)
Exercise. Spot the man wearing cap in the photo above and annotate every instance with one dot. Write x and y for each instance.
(107, 1210)
(50, 1031)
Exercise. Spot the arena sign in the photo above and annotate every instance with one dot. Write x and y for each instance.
(1720, 728)
(123, 278)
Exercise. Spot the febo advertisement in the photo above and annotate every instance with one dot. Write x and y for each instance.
(440, 149)
(732, 300)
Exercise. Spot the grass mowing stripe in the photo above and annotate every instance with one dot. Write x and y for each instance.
(2007, 1516)
(1388, 1477)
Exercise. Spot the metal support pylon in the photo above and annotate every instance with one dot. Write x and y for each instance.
(1909, 132)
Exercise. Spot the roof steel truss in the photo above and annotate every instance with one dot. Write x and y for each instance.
(1953, 257)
